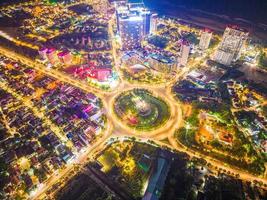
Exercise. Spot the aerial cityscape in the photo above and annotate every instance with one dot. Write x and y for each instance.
(133, 100)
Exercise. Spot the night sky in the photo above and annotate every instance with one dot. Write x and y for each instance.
(255, 10)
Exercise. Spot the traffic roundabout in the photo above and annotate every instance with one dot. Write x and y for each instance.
(140, 110)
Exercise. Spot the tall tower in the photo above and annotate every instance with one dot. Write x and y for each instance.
(146, 15)
(231, 45)
(205, 39)
(133, 23)
(131, 31)
(184, 53)
(153, 23)
(138, 6)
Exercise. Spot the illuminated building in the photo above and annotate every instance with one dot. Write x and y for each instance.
(65, 57)
(184, 53)
(139, 8)
(49, 54)
(205, 39)
(89, 43)
(101, 6)
(84, 41)
(146, 21)
(224, 57)
(161, 63)
(102, 74)
(133, 23)
(231, 45)
(159, 173)
(133, 58)
(131, 31)
(153, 23)
(157, 62)
(42, 53)
(52, 55)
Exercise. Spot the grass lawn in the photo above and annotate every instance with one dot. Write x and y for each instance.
(157, 115)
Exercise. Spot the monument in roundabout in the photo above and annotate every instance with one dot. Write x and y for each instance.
(141, 110)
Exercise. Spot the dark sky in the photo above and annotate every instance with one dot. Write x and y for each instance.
(255, 10)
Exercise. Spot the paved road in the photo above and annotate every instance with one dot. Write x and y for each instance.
(117, 128)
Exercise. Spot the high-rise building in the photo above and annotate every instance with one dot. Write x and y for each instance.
(224, 57)
(131, 31)
(205, 39)
(121, 9)
(146, 14)
(153, 23)
(133, 23)
(184, 53)
(231, 45)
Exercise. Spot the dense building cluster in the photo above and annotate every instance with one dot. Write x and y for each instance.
(47, 122)
(105, 99)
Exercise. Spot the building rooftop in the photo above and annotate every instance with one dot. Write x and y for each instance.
(237, 28)
(207, 30)
(158, 177)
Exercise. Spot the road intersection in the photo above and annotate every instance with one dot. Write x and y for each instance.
(116, 129)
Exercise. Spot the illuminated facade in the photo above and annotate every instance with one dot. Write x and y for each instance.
(131, 31)
(146, 15)
(205, 39)
(153, 23)
(184, 53)
(133, 24)
(157, 62)
(52, 56)
(224, 57)
(161, 63)
(231, 45)
(42, 53)
(65, 57)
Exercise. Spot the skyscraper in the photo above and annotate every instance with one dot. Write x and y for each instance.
(153, 23)
(146, 15)
(131, 31)
(231, 45)
(184, 53)
(133, 23)
(205, 38)
(121, 9)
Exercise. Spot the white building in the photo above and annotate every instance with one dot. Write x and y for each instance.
(205, 39)
(224, 57)
(231, 45)
(184, 53)
(153, 23)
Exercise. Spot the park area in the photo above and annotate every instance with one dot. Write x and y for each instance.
(141, 110)
(129, 165)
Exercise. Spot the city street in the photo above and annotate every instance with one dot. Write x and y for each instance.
(118, 129)
(115, 128)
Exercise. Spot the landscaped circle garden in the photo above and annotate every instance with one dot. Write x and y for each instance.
(140, 110)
